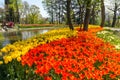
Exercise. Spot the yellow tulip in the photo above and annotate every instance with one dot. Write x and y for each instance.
(4, 50)
(18, 59)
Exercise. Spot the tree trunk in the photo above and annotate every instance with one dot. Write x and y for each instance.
(11, 15)
(62, 18)
(17, 11)
(52, 14)
(92, 19)
(114, 20)
(80, 17)
(81, 12)
(69, 16)
(108, 21)
(114, 16)
(59, 13)
(102, 14)
(6, 10)
(87, 17)
(52, 21)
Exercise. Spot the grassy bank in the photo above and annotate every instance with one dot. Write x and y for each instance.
(110, 36)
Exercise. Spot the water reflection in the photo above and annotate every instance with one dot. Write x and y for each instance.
(28, 34)
(11, 37)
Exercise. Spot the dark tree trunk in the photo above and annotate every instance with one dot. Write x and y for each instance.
(81, 12)
(108, 21)
(102, 13)
(17, 11)
(114, 20)
(6, 10)
(69, 16)
(82, 15)
(114, 16)
(62, 18)
(11, 15)
(92, 20)
(87, 17)
(52, 21)
(52, 15)
(59, 13)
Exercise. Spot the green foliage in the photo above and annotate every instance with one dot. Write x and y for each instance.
(15, 71)
(54, 75)
(12, 72)
(107, 76)
(34, 14)
(97, 64)
(109, 36)
(1, 36)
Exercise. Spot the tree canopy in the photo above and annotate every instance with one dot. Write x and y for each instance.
(69, 12)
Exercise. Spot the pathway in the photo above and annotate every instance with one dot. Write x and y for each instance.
(114, 29)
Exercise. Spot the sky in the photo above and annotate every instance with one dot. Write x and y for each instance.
(32, 2)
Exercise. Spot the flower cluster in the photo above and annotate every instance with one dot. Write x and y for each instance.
(76, 58)
(14, 51)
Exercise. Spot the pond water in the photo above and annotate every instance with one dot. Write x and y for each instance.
(11, 37)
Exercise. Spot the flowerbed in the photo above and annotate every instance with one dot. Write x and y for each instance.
(14, 51)
(61, 55)
(76, 58)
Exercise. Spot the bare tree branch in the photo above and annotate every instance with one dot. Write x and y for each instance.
(111, 9)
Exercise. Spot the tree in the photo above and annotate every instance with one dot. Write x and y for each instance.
(49, 6)
(73, 11)
(12, 10)
(102, 13)
(24, 11)
(2, 16)
(87, 14)
(68, 15)
(17, 12)
(95, 10)
(115, 8)
(30, 14)
(34, 14)
(57, 10)
(81, 12)
(88, 6)
(6, 10)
